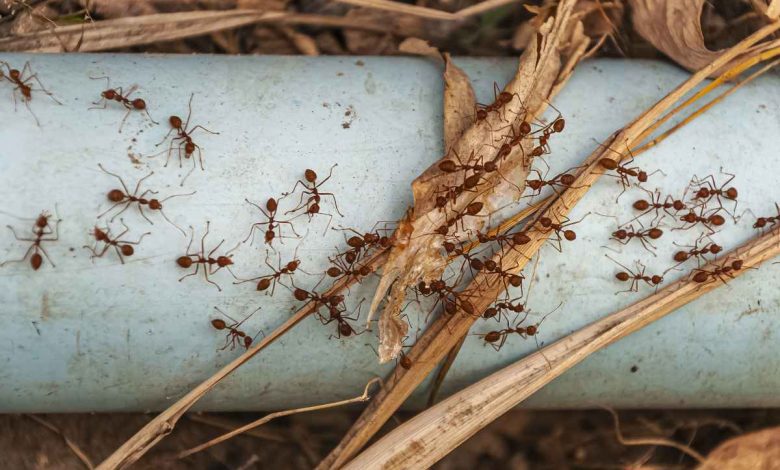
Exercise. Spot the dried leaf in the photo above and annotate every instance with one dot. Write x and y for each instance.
(760, 449)
(459, 102)
(421, 47)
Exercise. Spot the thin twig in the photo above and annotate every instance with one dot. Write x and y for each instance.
(71, 445)
(363, 397)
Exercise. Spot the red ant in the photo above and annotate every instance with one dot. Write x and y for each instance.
(497, 338)
(40, 230)
(563, 180)
(655, 203)
(513, 239)
(449, 166)
(118, 197)
(207, 261)
(184, 139)
(122, 247)
(624, 276)
(708, 189)
(762, 222)
(625, 235)
(270, 280)
(364, 242)
(311, 189)
(271, 205)
(560, 229)
(691, 218)
(499, 308)
(116, 94)
(342, 269)
(625, 172)
(22, 85)
(446, 294)
(234, 335)
(471, 210)
(502, 98)
(701, 276)
(696, 252)
(336, 308)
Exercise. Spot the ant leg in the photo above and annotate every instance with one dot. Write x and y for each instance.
(215, 248)
(102, 100)
(40, 247)
(334, 201)
(138, 185)
(165, 138)
(203, 239)
(121, 181)
(27, 104)
(26, 254)
(202, 128)
(194, 165)
(170, 222)
(17, 236)
(119, 253)
(197, 269)
(189, 112)
(48, 93)
(150, 116)
(122, 123)
(192, 238)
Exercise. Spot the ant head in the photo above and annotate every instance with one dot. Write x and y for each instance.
(300, 294)
(570, 235)
(99, 234)
(138, 103)
(247, 341)
(656, 279)
(702, 192)
(43, 220)
(405, 362)
(333, 271)
(531, 330)
(449, 247)
(690, 217)
(622, 276)
(655, 233)
(558, 125)
(538, 151)
(447, 166)
(310, 175)
(441, 201)
(364, 271)
(350, 257)
(545, 222)
(736, 265)
(641, 205)
(155, 205)
(760, 222)
(35, 261)
(355, 242)
(189, 148)
(14, 74)
(642, 176)
(678, 205)
(681, 256)
(438, 285)
(271, 204)
(489, 264)
(481, 114)
(715, 248)
(293, 265)
(175, 122)
(732, 193)
(264, 284)
(109, 94)
(608, 163)
(524, 128)
(567, 179)
(477, 264)
(505, 97)
(116, 195)
(127, 250)
(490, 166)
(515, 280)
(184, 261)
(443, 229)
(335, 299)
(218, 324)
(223, 261)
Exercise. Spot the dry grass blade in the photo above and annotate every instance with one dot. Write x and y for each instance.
(73, 447)
(482, 7)
(404, 8)
(163, 424)
(426, 438)
(447, 330)
(248, 427)
(276, 435)
(459, 102)
(139, 30)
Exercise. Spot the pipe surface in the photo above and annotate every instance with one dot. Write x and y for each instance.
(104, 336)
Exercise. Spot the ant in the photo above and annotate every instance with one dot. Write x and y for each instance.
(762, 222)
(118, 197)
(625, 235)
(655, 203)
(624, 171)
(271, 205)
(312, 189)
(499, 308)
(342, 269)
(701, 276)
(207, 261)
(116, 94)
(449, 166)
(40, 230)
(234, 335)
(344, 328)
(708, 189)
(122, 247)
(497, 338)
(696, 252)
(184, 139)
(364, 242)
(443, 293)
(22, 85)
(624, 276)
(691, 219)
(563, 180)
(472, 209)
(270, 280)
(502, 98)
(560, 228)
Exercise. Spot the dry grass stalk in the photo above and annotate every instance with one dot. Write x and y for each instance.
(448, 330)
(432, 434)
(80, 454)
(430, 13)
(254, 424)
(543, 70)
(148, 29)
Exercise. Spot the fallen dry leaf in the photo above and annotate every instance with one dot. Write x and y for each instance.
(757, 450)
(459, 102)
(421, 47)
